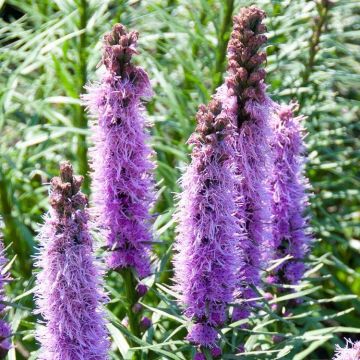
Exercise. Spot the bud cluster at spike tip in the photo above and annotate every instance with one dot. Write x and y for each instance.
(119, 46)
(289, 198)
(68, 291)
(204, 260)
(245, 81)
(5, 330)
(245, 75)
(121, 159)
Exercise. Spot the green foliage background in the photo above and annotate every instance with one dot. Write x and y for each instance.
(50, 49)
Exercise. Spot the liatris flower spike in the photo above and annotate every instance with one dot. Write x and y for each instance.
(244, 80)
(68, 292)
(205, 259)
(5, 330)
(350, 352)
(289, 198)
(121, 159)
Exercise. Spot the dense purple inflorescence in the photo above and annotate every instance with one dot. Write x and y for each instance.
(350, 352)
(122, 168)
(289, 197)
(253, 159)
(5, 331)
(207, 233)
(68, 291)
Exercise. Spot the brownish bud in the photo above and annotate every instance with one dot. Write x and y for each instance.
(257, 60)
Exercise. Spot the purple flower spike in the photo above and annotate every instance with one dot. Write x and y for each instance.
(289, 197)
(205, 260)
(245, 81)
(350, 352)
(121, 159)
(68, 292)
(5, 330)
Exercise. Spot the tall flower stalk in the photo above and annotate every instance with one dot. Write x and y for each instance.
(245, 81)
(289, 198)
(5, 330)
(68, 292)
(121, 161)
(207, 233)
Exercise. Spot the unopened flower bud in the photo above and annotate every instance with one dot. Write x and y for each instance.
(145, 323)
(141, 290)
(136, 308)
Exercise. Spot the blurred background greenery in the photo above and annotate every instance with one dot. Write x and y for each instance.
(50, 50)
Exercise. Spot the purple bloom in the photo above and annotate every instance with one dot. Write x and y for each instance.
(68, 292)
(289, 198)
(207, 233)
(203, 334)
(216, 352)
(122, 168)
(5, 331)
(253, 160)
(351, 352)
(199, 356)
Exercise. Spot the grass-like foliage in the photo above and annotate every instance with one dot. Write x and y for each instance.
(49, 50)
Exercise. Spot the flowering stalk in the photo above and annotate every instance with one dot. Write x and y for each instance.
(122, 168)
(205, 259)
(68, 291)
(289, 198)
(253, 162)
(318, 28)
(122, 179)
(5, 330)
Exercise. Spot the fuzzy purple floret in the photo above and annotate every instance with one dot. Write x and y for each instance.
(5, 330)
(207, 233)
(350, 352)
(289, 196)
(245, 81)
(203, 334)
(68, 291)
(216, 352)
(199, 356)
(121, 158)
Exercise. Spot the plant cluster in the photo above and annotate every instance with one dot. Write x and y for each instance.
(225, 271)
(235, 210)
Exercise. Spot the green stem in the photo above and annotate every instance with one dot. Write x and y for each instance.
(323, 10)
(81, 121)
(131, 299)
(223, 41)
(195, 47)
(208, 354)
